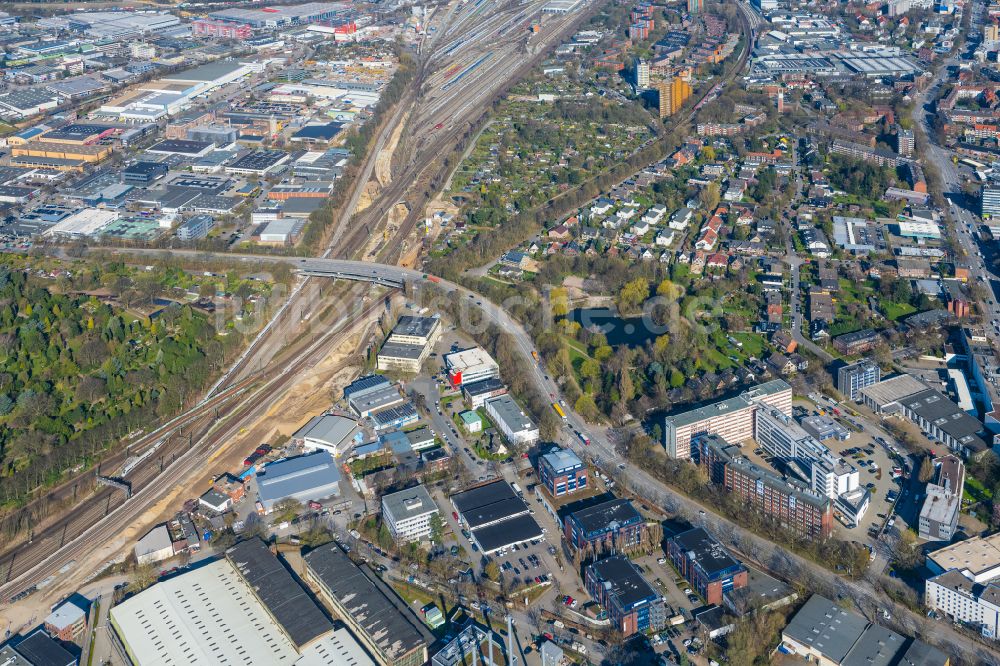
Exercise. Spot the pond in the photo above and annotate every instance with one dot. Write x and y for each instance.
(629, 331)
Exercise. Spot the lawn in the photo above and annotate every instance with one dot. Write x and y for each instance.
(894, 310)
(412, 593)
(753, 344)
(975, 491)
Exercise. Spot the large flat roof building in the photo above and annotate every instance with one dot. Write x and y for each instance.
(477, 393)
(706, 564)
(977, 558)
(364, 385)
(511, 420)
(959, 599)
(631, 602)
(935, 413)
(939, 417)
(402, 356)
(496, 516)
(313, 476)
(470, 365)
(883, 397)
(408, 513)
(374, 396)
(297, 615)
(732, 419)
(938, 518)
(416, 330)
(615, 521)
(383, 622)
(329, 432)
(213, 615)
(36, 649)
(823, 632)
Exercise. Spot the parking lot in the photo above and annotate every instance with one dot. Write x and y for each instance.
(527, 564)
(680, 598)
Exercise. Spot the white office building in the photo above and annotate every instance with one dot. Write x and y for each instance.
(961, 600)
(779, 435)
(511, 420)
(408, 513)
(470, 365)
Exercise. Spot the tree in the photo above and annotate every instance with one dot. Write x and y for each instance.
(926, 472)
(906, 550)
(632, 295)
(437, 528)
(492, 571)
(287, 509)
(143, 576)
(709, 196)
(560, 302)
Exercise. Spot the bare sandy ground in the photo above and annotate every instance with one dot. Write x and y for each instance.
(382, 174)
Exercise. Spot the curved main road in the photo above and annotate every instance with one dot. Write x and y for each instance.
(864, 594)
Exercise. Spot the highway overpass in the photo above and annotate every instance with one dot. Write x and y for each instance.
(382, 274)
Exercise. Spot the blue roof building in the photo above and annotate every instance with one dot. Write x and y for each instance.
(561, 471)
(313, 476)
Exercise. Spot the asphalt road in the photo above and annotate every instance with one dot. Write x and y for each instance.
(961, 207)
(765, 553)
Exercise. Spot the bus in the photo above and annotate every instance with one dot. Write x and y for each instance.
(559, 410)
(977, 166)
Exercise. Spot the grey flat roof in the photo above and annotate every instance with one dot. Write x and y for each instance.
(561, 459)
(508, 532)
(285, 599)
(939, 506)
(415, 326)
(179, 147)
(601, 516)
(893, 389)
(386, 619)
(364, 385)
(328, 428)
(922, 654)
(488, 503)
(510, 413)
(41, 650)
(414, 501)
(483, 386)
(8, 657)
(377, 397)
(627, 584)
(704, 549)
(741, 401)
(760, 590)
(877, 646)
(293, 205)
(826, 627)
(420, 436)
(205, 73)
(401, 350)
(937, 408)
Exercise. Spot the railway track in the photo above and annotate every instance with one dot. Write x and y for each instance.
(484, 86)
(107, 513)
(81, 483)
